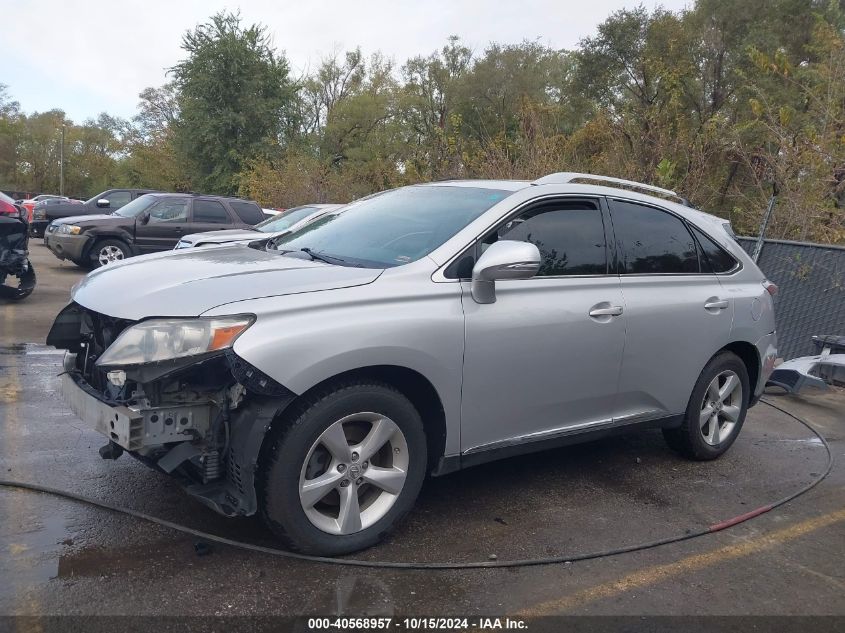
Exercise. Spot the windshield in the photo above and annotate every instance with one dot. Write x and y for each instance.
(394, 228)
(285, 220)
(131, 209)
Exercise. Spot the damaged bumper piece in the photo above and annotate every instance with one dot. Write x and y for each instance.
(827, 368)
(199, 418)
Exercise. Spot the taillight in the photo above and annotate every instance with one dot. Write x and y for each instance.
(771, 288)
(7, 208)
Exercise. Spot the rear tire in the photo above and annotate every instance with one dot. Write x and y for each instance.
(342, 468)
(107, 251)
(716, 410)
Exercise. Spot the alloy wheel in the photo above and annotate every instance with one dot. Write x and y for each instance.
(354, 473)
(721, 407)
(109, 254)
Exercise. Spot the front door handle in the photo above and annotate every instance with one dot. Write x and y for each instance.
(609, 311)
(716, 304)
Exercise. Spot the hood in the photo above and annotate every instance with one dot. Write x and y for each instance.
(81, 219)
(228, 235)
(191, 281)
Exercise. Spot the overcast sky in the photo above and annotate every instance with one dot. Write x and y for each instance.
(90, 56)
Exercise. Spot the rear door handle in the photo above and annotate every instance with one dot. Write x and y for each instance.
(719, 304)
(611, 311)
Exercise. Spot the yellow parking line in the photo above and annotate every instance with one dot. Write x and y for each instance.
(660, 573)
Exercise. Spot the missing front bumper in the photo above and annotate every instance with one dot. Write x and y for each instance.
(135, 428)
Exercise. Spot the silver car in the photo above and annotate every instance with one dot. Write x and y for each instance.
(424, 330)
(286, 221)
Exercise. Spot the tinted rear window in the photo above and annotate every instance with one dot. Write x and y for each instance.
(652, 241)
(210, 212)
(248, 212)
(715, 259)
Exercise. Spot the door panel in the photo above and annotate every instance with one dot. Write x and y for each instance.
(168, 221)
(671, 336)
(676, 312)
(536, 362)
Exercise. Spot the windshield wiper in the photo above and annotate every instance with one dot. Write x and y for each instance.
(329, 259)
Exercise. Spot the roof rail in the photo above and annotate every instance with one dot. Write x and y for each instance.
(568, 176)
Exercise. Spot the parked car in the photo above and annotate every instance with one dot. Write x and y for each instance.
(291, 220)
(105, 202)
(269, 213)
(151, 223)
(30, 203)
(428, 329)
(17, 276)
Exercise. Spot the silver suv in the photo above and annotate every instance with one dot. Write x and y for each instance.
(317, 378)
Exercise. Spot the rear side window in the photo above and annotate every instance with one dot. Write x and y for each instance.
(652, 241)
(569, 235)
(248, 212)
(714, 258)
(210, 212)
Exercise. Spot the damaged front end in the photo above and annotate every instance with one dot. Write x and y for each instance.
(17, 276)
(172, 393)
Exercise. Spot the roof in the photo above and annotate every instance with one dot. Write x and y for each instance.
(565, 180)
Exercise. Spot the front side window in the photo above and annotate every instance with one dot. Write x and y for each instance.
(169, 211)
(395, 227)
(652, 241)
(210, 212)
(137, 206)
(119, 199)
(568, 234)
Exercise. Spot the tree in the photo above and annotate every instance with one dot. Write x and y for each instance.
(235, 101)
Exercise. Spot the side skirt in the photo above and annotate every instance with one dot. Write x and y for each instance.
(453, 463)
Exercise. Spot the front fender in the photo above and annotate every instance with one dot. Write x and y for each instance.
(302, 340)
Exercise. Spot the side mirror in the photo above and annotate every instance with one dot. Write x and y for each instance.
(144, 218)
(505, 259)
(103, 203)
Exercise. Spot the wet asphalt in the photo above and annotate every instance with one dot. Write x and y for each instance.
(60, 557)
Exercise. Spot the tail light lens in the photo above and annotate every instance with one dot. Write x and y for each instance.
(7, 208)
(771, 288)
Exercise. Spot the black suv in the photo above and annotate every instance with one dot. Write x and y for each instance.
(105, 202)
(150, 223)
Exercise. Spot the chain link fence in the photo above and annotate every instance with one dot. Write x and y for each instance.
(811, 297)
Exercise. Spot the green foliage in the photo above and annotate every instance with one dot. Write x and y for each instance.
(234, 100)
(726, 102)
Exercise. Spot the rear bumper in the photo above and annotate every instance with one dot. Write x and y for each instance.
(767, 348)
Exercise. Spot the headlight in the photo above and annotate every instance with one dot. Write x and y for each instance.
(70, 229)
(39, 214)
(164, 339)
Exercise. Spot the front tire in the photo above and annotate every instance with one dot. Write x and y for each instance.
(107, 251)
(716, 410)
(342, 468)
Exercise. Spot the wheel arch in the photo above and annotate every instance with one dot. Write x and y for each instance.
(413, 385)
(111, 235)
(750, 357)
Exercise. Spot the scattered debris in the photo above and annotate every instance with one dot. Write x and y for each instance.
(202, 548)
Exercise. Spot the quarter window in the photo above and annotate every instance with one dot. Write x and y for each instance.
(248, 212)
(210, 212)
(569, 235)
(652, 241)
(714, 258)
